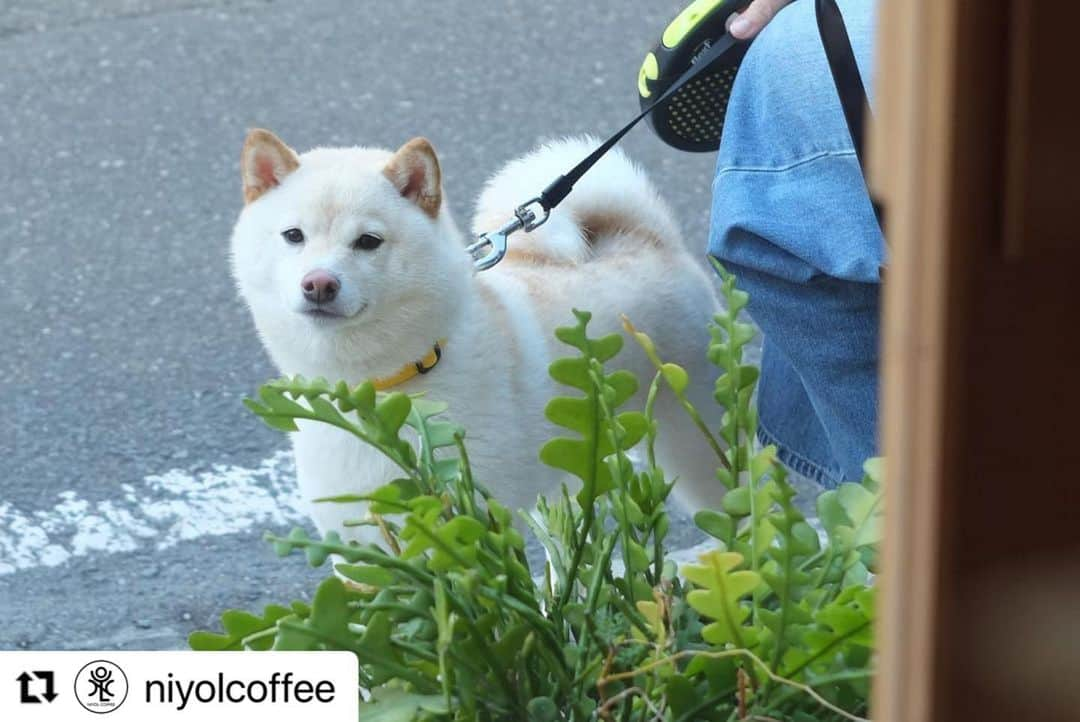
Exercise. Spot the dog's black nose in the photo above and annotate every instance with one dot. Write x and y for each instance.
(320, 286)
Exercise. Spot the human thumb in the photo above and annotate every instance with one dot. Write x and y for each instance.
(756, 16)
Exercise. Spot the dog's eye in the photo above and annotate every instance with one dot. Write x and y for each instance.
(367, 242)
(293, 235)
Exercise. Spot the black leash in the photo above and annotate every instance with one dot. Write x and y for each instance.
(561, 187)
(490, 248)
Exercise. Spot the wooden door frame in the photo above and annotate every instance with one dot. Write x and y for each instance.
(972, 154)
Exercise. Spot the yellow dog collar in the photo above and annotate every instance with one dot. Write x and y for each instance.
(412, 370)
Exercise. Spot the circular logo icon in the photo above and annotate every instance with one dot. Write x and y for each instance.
(101, 686)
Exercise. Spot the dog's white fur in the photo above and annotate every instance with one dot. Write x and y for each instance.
(611, 248)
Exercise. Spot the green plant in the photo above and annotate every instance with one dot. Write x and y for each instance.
(449, 621)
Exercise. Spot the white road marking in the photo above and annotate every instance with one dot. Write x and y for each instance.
(164, 510)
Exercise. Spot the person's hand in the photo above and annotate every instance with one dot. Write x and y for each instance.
(757, 15)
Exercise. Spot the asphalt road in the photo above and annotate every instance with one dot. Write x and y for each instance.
(129, 465)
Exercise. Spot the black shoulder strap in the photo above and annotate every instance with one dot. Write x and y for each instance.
(845, 74)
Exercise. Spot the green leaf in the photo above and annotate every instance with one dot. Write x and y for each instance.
(329, 611)
(840, 625)
(743, 334)
(427, 408)
(874, 469)
(240, 627)
(542, 709)
(852, 515)
(572, 372)
(721, 589)
(716, 524)
(831, 513)
(575, 335)
(720, 672)
(865, 512)
(365, 574)
(281, 423)
(634, 426)
(275, 401)
(686, 697)
(676, 377)
(397, 705)
(607, 347)
(638, 558)
(323, 410)
(574, 414)
(570, 455)
(737, 501)
(393, 498)
(625, 385)
(393, 410)
(363, 397)
(453, 544)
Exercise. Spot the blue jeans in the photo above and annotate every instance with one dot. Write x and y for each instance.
(792, 219)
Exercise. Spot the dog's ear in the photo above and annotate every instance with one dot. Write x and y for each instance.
(414, 171)
(264, 163)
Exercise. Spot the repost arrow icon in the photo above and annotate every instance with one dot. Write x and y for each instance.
(24, 690)
(24, 680)
(49, 678)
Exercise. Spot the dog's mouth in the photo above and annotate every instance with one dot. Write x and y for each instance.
(322, 313)
(325, 316)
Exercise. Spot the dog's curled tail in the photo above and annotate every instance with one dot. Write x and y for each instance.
(615, 200)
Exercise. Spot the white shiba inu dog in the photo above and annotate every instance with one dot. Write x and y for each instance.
(354, 270)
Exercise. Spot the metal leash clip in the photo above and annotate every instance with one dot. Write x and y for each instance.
(490, 248)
